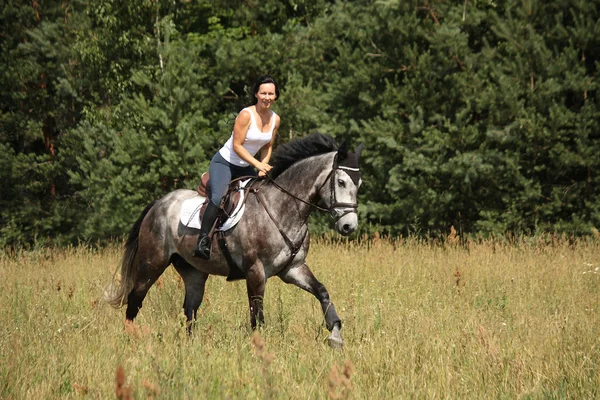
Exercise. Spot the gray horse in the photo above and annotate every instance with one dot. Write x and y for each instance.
(270, 239)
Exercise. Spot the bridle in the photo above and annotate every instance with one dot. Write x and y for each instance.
(334, 205)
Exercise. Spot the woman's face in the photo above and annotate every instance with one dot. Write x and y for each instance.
(265, 95)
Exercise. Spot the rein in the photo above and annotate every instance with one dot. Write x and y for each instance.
(278, 186)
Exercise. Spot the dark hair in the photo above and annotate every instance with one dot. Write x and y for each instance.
(262, 80)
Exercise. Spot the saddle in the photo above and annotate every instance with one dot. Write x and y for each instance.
(229, 202)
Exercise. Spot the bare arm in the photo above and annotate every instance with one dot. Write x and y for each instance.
(242, 123)
(267, 149)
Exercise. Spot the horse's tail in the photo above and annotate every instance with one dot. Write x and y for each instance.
(116, 293)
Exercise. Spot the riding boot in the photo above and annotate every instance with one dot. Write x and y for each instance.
(208, 220)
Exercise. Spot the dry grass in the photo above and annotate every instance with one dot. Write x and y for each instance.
(420, 321)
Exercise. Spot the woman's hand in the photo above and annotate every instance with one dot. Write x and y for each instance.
(262, 168)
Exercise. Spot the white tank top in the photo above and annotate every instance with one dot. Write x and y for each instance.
(255, 140)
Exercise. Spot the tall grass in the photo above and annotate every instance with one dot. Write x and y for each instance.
(420, 320)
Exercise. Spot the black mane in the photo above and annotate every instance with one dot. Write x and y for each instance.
(288, 154)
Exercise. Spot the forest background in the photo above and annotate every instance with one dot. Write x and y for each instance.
(482, 115)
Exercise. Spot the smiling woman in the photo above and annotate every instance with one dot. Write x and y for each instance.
(253, 133)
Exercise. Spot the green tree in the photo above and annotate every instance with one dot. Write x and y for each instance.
(478, 114)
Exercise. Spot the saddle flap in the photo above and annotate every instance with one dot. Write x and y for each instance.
(231, 199)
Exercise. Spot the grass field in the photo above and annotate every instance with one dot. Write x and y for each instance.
(486, 320)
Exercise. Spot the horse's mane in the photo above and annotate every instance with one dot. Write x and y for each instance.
(298, 149)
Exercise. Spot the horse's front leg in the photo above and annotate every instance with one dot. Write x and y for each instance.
(303, 277)
(255, 283)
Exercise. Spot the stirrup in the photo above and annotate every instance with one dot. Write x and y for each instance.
(203, 248)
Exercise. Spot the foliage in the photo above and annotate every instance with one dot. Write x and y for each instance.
(483, 115)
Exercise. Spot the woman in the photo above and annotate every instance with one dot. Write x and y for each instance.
(254, 131)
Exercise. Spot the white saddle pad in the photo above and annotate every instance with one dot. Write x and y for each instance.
(191, 207)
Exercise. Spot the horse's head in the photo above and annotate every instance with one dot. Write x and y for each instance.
(340, 191)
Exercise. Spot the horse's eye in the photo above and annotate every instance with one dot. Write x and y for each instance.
(341, 183)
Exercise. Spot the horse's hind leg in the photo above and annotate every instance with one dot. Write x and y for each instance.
(147, 275)
(303, 277)
(194, 281)
(151, 265)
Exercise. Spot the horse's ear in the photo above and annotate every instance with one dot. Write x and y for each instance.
(343, 151)
(359, 150)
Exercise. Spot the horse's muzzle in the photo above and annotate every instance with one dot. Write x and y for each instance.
(347, 224)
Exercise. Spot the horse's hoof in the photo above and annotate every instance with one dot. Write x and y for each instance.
(335, 340)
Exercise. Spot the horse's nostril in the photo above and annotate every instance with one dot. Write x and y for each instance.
(346, 227)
